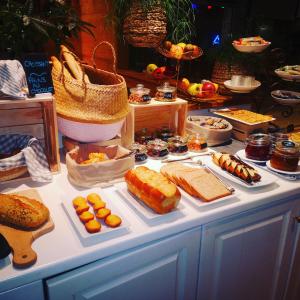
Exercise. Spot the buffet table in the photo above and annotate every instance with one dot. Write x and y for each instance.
(180, 245)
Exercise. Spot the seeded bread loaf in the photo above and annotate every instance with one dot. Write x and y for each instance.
(22, 211)
(154, 189)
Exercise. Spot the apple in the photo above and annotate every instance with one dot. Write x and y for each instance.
(176, 51)
(151, 68)
(209, 88)
(189, 47)
(182, 45)
(184, 83)
(170, 71)
(159, 73)
(167, 45)
(196, 51)
(194, 89)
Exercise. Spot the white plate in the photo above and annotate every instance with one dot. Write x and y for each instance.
(266, 177)
(242, 89)
(201, 205)
(142, 209)
(242, 155)
(285, 101)
(297, 172)
(106, 232)
(251, 48)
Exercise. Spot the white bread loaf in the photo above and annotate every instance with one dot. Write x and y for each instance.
(22, 212)
(197, 182)
(154, 189)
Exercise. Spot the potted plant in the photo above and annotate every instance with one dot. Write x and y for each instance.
(27, 26)
(146, 23)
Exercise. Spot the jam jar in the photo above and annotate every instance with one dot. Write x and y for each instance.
(140, 152)
(157, 149)
(166, 93)
(258, 147)
(285, 156)
(197, 143)
(165, 133)
(139, 95)
(177, 145)
(143, 136)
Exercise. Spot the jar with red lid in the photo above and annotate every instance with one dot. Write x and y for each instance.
(258, 147)
(285, 156)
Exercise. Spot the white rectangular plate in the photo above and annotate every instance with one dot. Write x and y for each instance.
(142, 209)
(219, 113)
(106, 232)
(266, 177)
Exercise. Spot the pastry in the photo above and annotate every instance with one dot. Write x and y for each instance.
(92, 226)
(154, 189)
(22, 211)
(86, 216)
(80, 209)
(95, 157)
(93, 198)
(103, 213)
(79, 201)
(113, 221)
(98, 205)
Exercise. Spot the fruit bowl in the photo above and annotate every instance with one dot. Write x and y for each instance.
(188, 55)
(289, 73)
(251, 48)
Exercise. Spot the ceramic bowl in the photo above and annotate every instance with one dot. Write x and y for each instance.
(241, 89)
(251, 48)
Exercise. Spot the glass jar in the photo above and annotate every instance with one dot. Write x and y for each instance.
(139, 95)
(165, 133)
(157, 149)
(197, 143)
(140, 152)
(143, 136)
(258, 147)
(277, 137)
(166, 93)
(285, 156)
(177, 145)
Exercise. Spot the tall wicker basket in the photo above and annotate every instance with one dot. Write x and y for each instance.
(145, 28)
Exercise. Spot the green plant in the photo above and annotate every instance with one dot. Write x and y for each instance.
(29, 25)
(180, 16)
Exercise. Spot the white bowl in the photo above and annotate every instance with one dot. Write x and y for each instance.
(285, 101)
(242, 89)
(88, 132)
(251, 48)
(286, 76)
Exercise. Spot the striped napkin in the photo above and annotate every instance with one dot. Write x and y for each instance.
(12, 80)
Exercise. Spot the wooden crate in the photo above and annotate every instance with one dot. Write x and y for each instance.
(154, 116)
(34, 116)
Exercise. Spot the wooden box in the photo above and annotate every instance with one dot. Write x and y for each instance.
(34, 116)
(154, 116)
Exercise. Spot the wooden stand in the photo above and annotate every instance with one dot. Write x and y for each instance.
(37, 117)
(154, 116)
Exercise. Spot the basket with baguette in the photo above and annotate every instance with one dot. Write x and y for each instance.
(86, 94)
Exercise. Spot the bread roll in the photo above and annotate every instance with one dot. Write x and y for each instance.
(56, 64)
(73, 64)
(154, 189)
(22, 211)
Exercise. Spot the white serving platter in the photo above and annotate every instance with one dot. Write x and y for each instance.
(266, 177)
(106, 232)
(145, 212)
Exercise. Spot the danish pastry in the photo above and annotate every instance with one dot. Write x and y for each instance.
(80, 209)
(79, 201)
(93, 198)
(113, 220)
(92, 226)
(86, 216)
(98, 205)
(103, 213)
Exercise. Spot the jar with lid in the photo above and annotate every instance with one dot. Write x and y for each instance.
(166, 93)
(143, 136)
(258, 147)
(165, 133)
(197, 142)
(285, 156)
(157, 149)
(139, 95)
(140, 152)
(177, 145)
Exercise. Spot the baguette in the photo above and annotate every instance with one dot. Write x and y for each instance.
(73, 64)
(154, 189)
(56, 64)
(22, 212)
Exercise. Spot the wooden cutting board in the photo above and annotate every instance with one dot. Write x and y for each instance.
(20, 240)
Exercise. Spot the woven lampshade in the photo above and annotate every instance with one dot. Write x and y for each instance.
(145, 28)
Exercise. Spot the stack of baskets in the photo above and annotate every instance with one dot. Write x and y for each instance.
(93, 109)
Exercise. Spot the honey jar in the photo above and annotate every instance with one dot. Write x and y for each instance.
(285, 156)
(197, 143)
(258, 147)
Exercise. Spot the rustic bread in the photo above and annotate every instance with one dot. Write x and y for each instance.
(22, 211)
(197, 182)
(57, 65)
(154, 189)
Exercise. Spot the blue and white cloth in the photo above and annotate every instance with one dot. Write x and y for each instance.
(13, 82)
(32, 156)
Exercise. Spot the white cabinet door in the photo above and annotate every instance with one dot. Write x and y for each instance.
(31, 291)
(165, 270)
(246, 257)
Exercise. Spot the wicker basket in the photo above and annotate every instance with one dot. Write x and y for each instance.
(12, 173)
(145, 29)
(103, 102)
